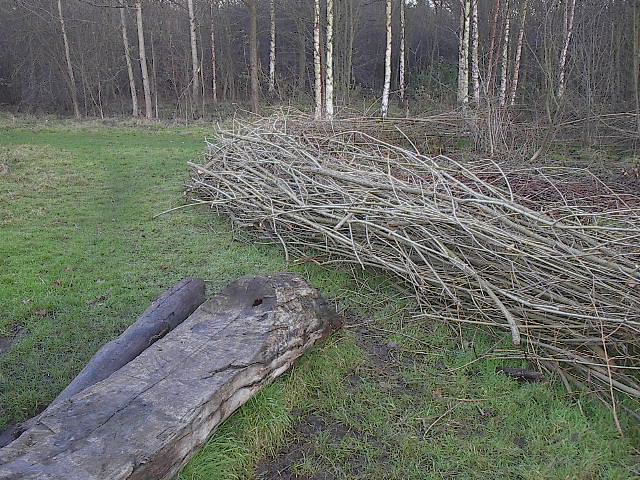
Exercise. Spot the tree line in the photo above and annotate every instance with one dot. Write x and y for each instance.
(186, 58)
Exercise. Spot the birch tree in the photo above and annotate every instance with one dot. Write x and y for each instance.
(475, 66)
(387, 63)
(67, 53)
(516, 65)
(463, 56)
(272, 48)
(317, 68)
(143, 62)
(214, 78)
(401, 79)
(502, 96)
(329, 68)
(195, 64)
(569, 11)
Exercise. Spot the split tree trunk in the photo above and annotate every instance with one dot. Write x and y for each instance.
(272, 48)
(516, 65)
(570, 8)
(329, 66)
(214, 77)
(475, 62)
(72, 79)
(387, 63)
(502, 96)
(143, 62)
(127, 54)
(195, 64)
(317, 67)
(149, 418)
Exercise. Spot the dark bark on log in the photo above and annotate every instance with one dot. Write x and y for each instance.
(164, 314)
(521, 374)
(149, 417)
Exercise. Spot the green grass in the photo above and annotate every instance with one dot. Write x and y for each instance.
(81, 255)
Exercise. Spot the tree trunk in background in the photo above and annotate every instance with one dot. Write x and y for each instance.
(317, 69)
(143, 62)
(214, 77)
(570, 8)
(127, 54)
(253, 53)
(516, 65)
(463, 56)
(401, 79)
(272, 48)
(329, 68)
(475, 67)
(502, 97)
(636, 60)
(154, 76)
(488, 87)
(302, 55)
(72, 79)
(195, 64)
(387, 63)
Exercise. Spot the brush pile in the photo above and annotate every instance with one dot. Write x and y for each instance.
(560, 274)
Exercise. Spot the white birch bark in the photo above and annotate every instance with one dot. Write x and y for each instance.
(475, 66)
(502, 97)
(72, 79)
(272, 48)
(316, 60)
(387, 63)
(329, 68)
(214, 77)
(463, 54)
(195, 81)
(143, 62)
(568, 30)
(127, 54)
(401, 74)
(516, 66)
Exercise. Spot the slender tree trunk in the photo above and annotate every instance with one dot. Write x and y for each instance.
(502, 97)
(351, 36)
(636, 60)
(570, 8)
(72, 79)
(401, 79)
(475, 66)
(154, 76)
(143, 62)
(317, 68)
(492, 47)
(272, 48)
(329, 68)
(253, 53)
(387, 63)
(127, 54)
(302, 55)
(195, 64)
(463, 57)
(516, 65)
(214, 78)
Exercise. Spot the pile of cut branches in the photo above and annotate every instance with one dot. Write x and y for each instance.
(561, 276)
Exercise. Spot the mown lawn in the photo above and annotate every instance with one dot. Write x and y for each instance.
(81, 255)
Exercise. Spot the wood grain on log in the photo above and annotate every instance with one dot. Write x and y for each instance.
(148, 418)
(163, 315)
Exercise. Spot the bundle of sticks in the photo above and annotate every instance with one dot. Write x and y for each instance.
(561, 275)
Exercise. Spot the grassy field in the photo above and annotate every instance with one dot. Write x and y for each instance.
(81, 255)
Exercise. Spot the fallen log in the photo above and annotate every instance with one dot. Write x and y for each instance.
(162, 316)
(148, 418)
